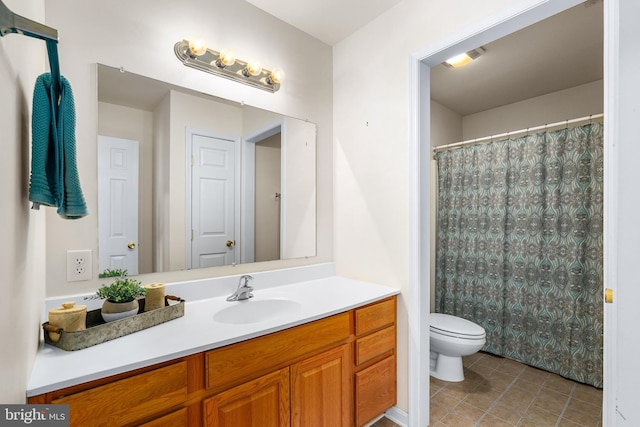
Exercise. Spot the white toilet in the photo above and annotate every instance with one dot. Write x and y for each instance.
(451, 338)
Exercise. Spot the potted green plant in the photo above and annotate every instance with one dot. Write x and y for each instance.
(120, 298)
(112, 273)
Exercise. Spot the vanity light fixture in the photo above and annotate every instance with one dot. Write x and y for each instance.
(464, 58)
(224, 63)
(226, 59)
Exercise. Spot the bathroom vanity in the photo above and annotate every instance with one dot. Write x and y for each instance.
(328, 359)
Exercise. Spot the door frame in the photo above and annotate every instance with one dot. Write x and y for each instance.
(188, 199)
(502, 23)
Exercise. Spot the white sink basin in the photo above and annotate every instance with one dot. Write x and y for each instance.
(253, 311)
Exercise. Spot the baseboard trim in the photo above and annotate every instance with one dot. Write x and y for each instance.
(398, 416)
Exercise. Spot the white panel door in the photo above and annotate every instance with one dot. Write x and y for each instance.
(213, 200)
(118, 204)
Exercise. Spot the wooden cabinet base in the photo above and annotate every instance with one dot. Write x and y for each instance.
(337, 371)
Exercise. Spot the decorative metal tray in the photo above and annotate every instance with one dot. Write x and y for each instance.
(98, 331)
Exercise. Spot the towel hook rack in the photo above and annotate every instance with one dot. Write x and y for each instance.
(13, 23)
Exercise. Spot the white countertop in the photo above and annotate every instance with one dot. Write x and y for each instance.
(198, 331)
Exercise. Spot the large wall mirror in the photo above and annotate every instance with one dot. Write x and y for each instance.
(188, 180)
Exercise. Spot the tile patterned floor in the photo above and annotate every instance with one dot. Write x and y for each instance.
(500, 392)
(384, 422)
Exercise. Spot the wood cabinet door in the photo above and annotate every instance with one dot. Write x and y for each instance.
(263, 402)
(375, 389)
(320, 390)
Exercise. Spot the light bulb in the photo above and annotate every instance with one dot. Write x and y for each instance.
(197, 47)
(226, 59)
(252, 69)
(277, 76)
(459, 60)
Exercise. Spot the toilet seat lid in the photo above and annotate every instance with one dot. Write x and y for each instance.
(447, 324)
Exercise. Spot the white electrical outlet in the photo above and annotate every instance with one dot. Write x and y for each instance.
(78, 265)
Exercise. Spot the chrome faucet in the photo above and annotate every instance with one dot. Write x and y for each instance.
(244, 290)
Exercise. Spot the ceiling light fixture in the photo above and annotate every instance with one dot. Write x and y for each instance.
(464, 58)
(224, 63)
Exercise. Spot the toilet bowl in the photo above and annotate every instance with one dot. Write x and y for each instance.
(451, 338)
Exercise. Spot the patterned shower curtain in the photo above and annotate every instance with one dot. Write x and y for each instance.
(519, 247)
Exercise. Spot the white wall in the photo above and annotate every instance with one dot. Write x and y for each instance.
(22, 257)
(371, 123)
(255, 120)
(139, 36)
(130, 123)
(446, 125)
(191, 112)
(571, 103)
(161, 179)
(298, 192)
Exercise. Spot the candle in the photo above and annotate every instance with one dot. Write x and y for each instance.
(155, 296)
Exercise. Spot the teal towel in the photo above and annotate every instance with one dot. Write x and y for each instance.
(54, 174)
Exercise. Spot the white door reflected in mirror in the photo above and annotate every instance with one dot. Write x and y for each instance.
(118, 204)
(212, 212)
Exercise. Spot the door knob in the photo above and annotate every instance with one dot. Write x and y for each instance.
(230, 243)
(131, 245)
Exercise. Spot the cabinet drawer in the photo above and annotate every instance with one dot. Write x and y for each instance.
(375, 344)
(375, 390)
(174, 419)
(125, 401)
(240, 362)
(375, 316)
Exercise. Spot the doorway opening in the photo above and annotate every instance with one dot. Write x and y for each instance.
(423, 62)
(262, 194)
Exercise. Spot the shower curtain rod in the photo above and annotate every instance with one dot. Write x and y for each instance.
(516, 132)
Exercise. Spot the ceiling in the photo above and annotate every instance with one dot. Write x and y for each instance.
(327, 20)
(131, 90)
(560, 52)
